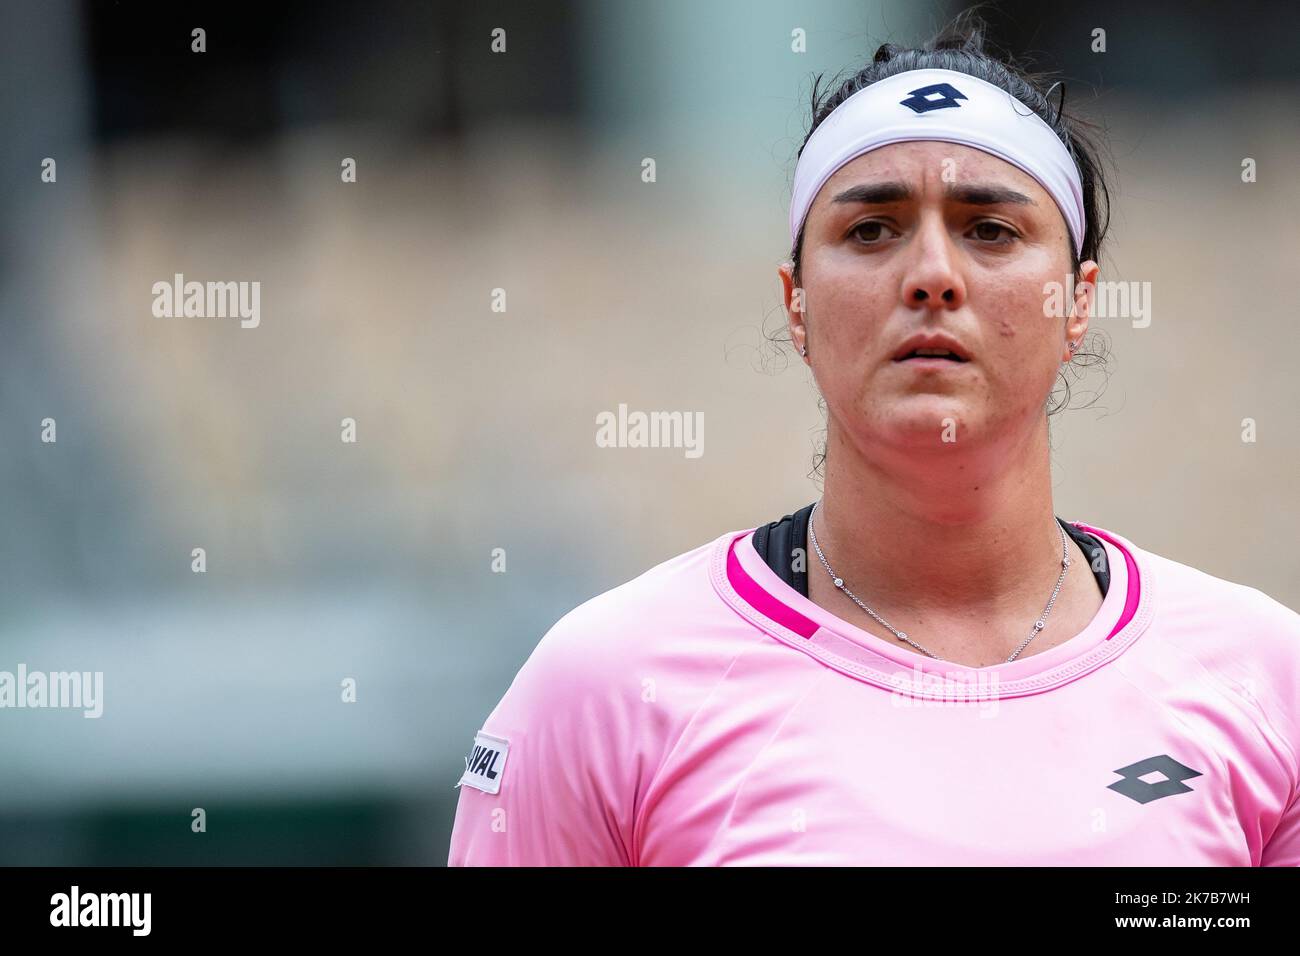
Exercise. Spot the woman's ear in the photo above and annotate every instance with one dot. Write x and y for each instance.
(1085, 298)
(795, 313)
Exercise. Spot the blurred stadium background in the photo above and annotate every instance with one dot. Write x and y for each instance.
(519, 171)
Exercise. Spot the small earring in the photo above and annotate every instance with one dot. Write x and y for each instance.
(803, 350)
(1073, 346)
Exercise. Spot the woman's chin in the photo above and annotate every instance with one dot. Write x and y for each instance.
(926, 418)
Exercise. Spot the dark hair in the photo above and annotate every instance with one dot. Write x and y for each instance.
(962, 46)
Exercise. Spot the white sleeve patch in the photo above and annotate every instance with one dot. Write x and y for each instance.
(486, 763)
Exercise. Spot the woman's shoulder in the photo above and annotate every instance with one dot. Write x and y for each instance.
(669, 609)
(1239, 636)
(636, 660)
(1197, 594)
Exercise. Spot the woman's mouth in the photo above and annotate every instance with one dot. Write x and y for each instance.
(931, 358)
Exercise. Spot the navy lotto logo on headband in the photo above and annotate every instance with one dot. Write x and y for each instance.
(919, 100)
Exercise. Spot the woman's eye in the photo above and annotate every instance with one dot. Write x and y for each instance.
(869, 231)
(990, 230)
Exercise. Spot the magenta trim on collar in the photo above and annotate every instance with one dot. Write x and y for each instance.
(772, 607)
(1134, 579)
(752, 593)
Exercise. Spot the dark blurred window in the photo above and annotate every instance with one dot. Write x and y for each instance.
(1165, 48)
(423, 68)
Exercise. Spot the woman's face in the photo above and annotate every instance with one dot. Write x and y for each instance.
(934, 237)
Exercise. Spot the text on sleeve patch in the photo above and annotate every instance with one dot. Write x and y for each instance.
(486, 763)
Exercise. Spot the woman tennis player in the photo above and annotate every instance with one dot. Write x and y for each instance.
(955, 675)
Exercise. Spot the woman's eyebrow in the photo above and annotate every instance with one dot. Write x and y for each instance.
(983, 194)
(877, 193)
(969, 194)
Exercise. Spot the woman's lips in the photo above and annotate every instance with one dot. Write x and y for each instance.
(927, 362)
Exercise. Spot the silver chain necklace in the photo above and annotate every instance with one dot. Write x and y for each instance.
(1038, 625)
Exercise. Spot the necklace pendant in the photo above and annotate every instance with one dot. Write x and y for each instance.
(839, 582)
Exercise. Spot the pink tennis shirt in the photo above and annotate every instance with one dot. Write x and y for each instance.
(706, 713)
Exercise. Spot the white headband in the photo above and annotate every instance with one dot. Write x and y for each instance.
(939, 105)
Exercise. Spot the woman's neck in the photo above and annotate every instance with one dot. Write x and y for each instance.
(954, 527)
